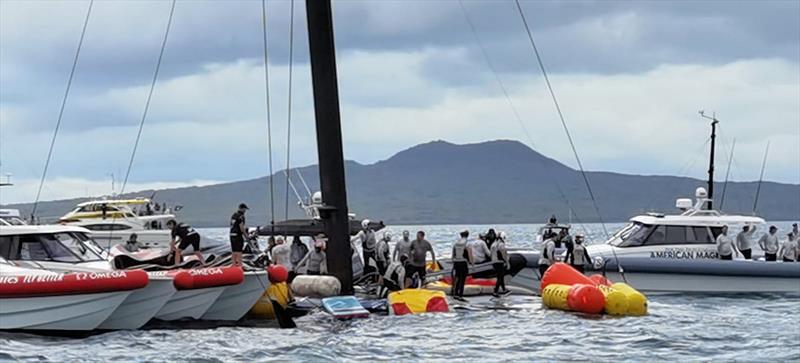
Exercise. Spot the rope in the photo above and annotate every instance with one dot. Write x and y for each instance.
(561, 117)
(289, 110)
(727, 175)
(269, 118)
(61, 111)
(517, 116)
(761, 178)
(149, 97)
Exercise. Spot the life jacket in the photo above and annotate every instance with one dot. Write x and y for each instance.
(579, 255)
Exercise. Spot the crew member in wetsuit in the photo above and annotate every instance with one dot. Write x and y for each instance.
(237, 234)
(579, 255)
(382, 256)
(563, 237)
(744, 241)
(395, 277)
(725, 246)
(316, 261)
(419, 249)
(500, 263)
(188, 237)
(368, 244)
(548, 256)
(769, 243)
(462, 258)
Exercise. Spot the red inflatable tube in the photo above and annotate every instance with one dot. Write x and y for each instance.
(471, 281)
(202, 278)
(586, 299)
(72, 283)
(563, 274)
(600, 280)
(277, 274)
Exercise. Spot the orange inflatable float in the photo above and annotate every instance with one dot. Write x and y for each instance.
(565, 288)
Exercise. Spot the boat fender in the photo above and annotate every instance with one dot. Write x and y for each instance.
(586, 299)
(202, 278)
(72, 283)
(637, 302)
(554, 296)
(616, 301)
(277, 273)
(316, 286)
(263, 308)
(563, 274)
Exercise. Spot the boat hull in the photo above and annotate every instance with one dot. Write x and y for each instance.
(237, 300)
(189, 303)
(66, 312)
(141, 305)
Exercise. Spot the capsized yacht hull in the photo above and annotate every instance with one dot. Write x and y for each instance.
(141, 305)
(66, 312)
(237, 300)
(189, 303)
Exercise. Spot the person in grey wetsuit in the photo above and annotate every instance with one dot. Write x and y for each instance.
(315, 261)
(462, 257)
(579, 256)
(500, 263)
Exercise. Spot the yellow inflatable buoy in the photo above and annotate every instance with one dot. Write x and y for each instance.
(263, 308)
(554, 296)
(616, 301)
(637, 302)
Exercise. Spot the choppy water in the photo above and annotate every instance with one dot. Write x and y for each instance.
(679, 328)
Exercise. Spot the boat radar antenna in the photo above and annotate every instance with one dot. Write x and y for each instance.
(714, 122)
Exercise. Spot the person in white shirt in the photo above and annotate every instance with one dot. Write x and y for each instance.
(480, 251)
(789, 250)
(548, 256)
(281, 253)
(769, 243)
(744, 241)
(725, 246)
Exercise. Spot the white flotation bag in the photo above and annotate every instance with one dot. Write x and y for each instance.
(316, 286)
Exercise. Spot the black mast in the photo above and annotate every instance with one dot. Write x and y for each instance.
(329, 141)
(714, 123)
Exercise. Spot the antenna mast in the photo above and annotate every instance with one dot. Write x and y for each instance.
(714, 123)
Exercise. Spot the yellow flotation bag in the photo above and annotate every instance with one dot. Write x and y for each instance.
(637, 302)
(263, 308)
(554, 296)
(616, 301)
(417, 301)
(469, 290)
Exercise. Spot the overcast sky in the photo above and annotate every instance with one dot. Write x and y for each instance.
(630, 77)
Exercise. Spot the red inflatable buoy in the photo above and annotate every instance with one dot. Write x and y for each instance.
(277, 274)
(600, 280)
(72, 283)
(563, 274)
(586, 299)
(201, 278)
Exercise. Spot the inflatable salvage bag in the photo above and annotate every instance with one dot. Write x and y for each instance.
(565, 288)
(316, 286)
(417, 301)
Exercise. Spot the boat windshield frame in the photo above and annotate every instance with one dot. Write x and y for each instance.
(55, 248)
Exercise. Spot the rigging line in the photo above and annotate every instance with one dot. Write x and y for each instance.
(269, 117)
(561, 116)
(761, 178)
(149, 97)
(303, 180)
(63, 106)
(289, 109)
(727, 175)
(514, 110)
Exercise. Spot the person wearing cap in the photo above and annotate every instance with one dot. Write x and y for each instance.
(500, 263)
(462, 258)
(132, 244)
(769, 244)
(789, 249)
(238, 232)
(579, 256)
(744, 241)
(316, 261)
(281, 253)
(725, 246)
(188, 237)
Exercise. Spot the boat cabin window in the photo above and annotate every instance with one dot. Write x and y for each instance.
(634, 235)
(5, 246)
(74, 243)
(107, 227)
(679, 235)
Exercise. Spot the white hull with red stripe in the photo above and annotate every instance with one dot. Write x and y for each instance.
(237, 300)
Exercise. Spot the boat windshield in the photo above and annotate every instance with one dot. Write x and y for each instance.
(634, 234)
(92, 245)
(76, 243)
(14, 221)
(59, 247)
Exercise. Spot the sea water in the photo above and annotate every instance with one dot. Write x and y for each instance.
(764, 327)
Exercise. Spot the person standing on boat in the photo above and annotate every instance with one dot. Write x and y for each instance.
(382, 256)
(744, 241)
(789, 249)
(579, 256)
(188, 237)
(480, 251)
(402, 247)
(419, 250)
(462, 258)
(316, 261)
(281, 253)
(548, 257)
(238, 232)
(769, 243)
(725, 246)
(500, 263)
(491, 236)
(368, 243)
(299, 250)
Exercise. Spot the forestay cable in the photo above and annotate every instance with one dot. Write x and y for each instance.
(61, 111)
(269, 117)
(149, 97)
(561, 117)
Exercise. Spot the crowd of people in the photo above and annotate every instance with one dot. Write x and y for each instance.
(742, 244)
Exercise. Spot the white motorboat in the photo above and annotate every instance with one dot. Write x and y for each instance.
(112, 221)
(11, 217)
(659, 253)
(67, 249)
(237, 300)
(35, 299)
